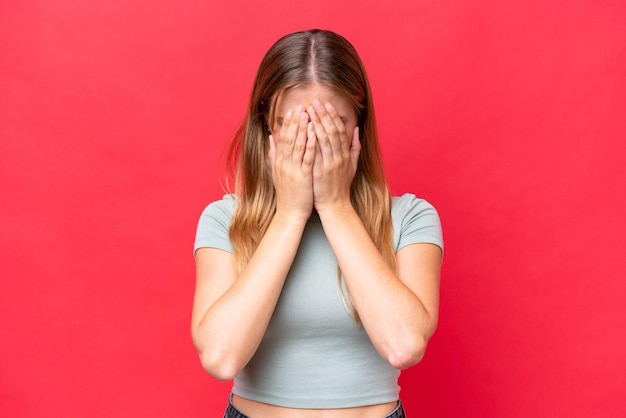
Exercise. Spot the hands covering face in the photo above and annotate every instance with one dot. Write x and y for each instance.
(314, 158)
(336, 155)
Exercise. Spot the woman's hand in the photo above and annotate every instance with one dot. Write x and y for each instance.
(292, 155)
(336, 157)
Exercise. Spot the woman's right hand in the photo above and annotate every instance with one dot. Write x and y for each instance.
(248, 298)
(292, 154)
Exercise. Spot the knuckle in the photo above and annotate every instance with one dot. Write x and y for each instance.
(298, 147)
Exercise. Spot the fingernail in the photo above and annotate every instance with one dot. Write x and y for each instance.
(329, 107)
(299, 109)
(289, 113)
(304, 117)
(317, 104)
(312, 111)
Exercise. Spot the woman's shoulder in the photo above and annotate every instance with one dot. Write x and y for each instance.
(408, 202)
(415, 220)
(214, 224)
(223, 207)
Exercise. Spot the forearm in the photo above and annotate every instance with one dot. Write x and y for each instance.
(231, 329)
(394, 317)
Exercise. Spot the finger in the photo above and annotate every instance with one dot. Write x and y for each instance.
(355, 148)
(294, 125)
(318, 163)
(334, 126)
(323, 140)
(301, 137)
(284, 128)
(308, 158)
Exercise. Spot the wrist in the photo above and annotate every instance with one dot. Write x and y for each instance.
(339, 210)
(291, 218)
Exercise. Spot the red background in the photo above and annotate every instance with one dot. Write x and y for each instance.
(509, 116)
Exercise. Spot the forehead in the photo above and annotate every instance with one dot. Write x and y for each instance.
(304, 95)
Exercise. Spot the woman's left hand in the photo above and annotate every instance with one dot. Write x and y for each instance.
(336, 158)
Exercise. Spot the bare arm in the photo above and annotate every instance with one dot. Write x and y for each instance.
(230, 312)
(398, 309)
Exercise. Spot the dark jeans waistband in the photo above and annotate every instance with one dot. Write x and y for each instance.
(232, 412)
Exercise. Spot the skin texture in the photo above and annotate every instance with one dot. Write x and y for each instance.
(314, 150)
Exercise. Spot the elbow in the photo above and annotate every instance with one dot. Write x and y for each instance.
(218, 367)
(409, 354)
(409, 350)
(215, 361)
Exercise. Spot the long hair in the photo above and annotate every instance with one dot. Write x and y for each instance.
(297, 60)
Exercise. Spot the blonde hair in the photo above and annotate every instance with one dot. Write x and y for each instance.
(296, 60)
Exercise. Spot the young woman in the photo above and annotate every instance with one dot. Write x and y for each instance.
(314, 287)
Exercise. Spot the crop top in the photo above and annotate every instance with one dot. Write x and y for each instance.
(313, 355)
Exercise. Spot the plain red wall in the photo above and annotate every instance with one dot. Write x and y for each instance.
(509, 116)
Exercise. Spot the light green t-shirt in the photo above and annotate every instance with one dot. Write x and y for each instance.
(312, 354)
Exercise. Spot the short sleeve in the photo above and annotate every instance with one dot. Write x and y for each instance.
(415, 221)
(214, 224)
